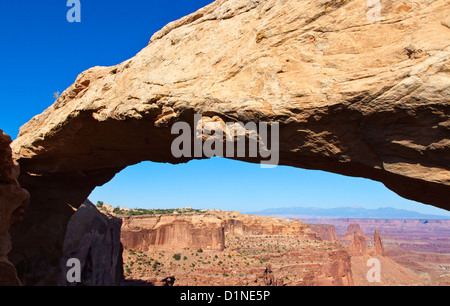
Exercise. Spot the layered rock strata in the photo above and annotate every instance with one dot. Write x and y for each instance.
(203, 231)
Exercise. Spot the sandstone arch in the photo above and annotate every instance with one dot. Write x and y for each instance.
(352, 97)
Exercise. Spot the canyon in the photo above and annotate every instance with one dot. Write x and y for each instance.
(423, 246)
(270, 251)
(350, 96)
(250, 250)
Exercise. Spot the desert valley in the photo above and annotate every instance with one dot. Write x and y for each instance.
(186, 247)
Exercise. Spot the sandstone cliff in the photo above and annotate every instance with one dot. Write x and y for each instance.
(94, 239)
(241, 224)
(354, 97)
(203, 231)
(173, 232)
(326, 232)
(13, 200)
(332, 269)
(358, 246)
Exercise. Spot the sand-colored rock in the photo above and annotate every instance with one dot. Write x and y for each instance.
(364, 262)
(354, 97)
(236, 223)
(13, 200)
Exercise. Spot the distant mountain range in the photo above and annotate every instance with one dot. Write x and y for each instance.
(347, 212)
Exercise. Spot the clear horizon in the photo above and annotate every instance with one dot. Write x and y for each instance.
(45, 53)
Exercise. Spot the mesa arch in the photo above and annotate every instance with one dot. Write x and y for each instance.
(352, 97)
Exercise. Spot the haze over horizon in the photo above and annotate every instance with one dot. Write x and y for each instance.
(220, 183)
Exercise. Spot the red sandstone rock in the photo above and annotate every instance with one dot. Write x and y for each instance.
(353, 229)
(326, 232)
(141, 233)
(358, 246)
(378, 248)
(173, 232)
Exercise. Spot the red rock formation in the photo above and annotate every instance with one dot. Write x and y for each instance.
(141, 233)
(353, 229)
(335, 271)
(378, 248)
(358, 246)
(267, 278)
(173, 232)
(94, 239)
(241, 224)
(325, 232)
(13, 200)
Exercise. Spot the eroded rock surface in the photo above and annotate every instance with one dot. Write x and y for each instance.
(378, 248)
(13, 200)
(326, 232)
(173, 232)
(354, 97)
(358, 246)
(202, 231)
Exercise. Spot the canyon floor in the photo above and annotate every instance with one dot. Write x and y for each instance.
(423, 246)
(256, 254)
(247, 260)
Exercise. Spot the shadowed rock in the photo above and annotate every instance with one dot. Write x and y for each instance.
(94, 239)
(13, 200)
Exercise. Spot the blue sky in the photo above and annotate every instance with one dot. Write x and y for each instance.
(43, 53)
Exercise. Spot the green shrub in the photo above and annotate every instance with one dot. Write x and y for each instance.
(177, 256)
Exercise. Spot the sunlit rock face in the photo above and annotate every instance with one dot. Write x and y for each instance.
(351, 96)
